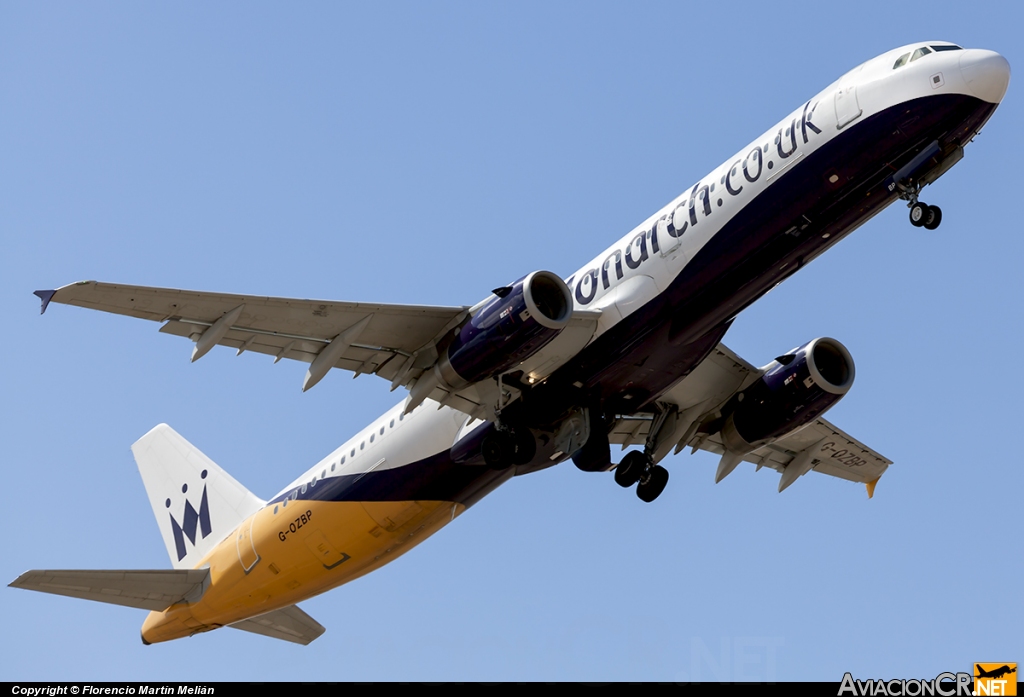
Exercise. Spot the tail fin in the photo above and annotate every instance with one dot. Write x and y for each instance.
(178, 477)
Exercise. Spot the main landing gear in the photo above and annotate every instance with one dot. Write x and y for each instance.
(638, 468)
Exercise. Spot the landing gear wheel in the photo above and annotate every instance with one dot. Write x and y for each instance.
(918, 214)
(933, 218)
(653, 484)
(631, 469)
(498, 450)
(525, 446)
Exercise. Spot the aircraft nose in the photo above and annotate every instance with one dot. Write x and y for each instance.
(986, 73)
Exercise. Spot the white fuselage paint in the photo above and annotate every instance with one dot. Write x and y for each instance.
(874, 85)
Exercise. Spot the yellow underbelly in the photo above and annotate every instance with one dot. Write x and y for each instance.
(274, 560)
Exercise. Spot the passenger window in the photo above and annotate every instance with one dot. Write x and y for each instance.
(901, 61)
(382, 430)
(362, 445)
(353, 453)
(303, 488)
(333, 465)
(324, 473)
(392, 423)
(371, 437)
(275, 510)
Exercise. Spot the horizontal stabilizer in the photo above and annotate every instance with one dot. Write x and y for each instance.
(289, 624)
(148, 590)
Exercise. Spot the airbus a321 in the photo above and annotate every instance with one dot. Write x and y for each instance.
(626, 351)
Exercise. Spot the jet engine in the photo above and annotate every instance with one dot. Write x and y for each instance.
(514, 324)
(795, 389)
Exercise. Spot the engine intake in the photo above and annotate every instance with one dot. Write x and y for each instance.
(795, 389)
(512, 326)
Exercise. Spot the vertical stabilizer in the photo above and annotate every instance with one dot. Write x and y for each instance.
(196, 503)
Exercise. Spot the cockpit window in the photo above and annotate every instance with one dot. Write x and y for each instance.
(923, 51)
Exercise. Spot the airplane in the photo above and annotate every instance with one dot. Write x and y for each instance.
(996, 673)
(625, 351)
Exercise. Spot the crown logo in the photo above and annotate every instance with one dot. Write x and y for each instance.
(191, 519)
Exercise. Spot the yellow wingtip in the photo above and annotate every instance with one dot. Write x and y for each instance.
(871, 487)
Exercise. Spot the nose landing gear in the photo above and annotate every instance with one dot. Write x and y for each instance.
(923, 215)
(638, 468)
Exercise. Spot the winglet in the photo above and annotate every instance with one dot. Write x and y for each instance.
(871, 486)
(45, 296)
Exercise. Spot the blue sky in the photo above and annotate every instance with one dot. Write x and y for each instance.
(425, 153)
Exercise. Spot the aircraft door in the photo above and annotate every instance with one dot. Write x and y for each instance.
(670, 257)
(847, 107)
(247, 555)
(669, 240)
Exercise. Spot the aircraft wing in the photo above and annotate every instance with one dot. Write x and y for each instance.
(288, 624)
(360, 337)
(698, 397)
(396, 342)
(155, 589)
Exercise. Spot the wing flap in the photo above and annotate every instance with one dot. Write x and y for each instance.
(145, 589)
(288, 624)
(303, 349)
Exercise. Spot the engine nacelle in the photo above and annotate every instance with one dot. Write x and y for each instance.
(795, 389)
(512, 326)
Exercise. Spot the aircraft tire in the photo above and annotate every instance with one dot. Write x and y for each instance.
(933, 218)
(654, 484)
(630, 469)
(918, 214)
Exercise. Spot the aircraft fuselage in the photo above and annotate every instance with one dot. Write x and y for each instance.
(667, 292)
